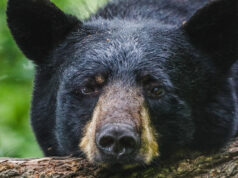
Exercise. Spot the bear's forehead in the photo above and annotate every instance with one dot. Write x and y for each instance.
(122, 49)
(118, 42)
(113, 49)
(118, 57)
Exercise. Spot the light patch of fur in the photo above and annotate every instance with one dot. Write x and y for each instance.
(99, 79)
(87, 143)
(149, 147)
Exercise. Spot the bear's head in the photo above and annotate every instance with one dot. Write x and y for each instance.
(128, 91)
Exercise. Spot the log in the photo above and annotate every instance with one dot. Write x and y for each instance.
(220, 165)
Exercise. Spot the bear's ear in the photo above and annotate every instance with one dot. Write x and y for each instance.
(214, 29)
(38, 26)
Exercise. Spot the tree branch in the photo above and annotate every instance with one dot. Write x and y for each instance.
(223, 164)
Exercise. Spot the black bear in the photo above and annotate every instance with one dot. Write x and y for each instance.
(137, 81)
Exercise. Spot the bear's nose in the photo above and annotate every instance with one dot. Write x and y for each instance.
(117, 140)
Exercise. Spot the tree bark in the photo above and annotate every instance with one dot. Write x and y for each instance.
(220, 165)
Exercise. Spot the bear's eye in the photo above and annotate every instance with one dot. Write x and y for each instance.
(90, 90)
(155, 91)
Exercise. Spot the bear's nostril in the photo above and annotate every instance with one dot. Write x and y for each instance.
(129, 143)
(106, 141)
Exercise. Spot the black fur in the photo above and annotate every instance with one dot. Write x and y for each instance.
(192, 53)
(26, 18)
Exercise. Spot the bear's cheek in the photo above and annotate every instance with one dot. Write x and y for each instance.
(121, 106)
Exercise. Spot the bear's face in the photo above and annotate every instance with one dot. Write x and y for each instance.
(128, 91)
(113, 80)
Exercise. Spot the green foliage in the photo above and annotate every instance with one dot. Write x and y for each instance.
(16, 76)
(80, 8)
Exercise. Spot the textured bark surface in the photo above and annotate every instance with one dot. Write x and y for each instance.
(223, 164)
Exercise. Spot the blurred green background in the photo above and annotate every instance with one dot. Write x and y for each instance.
(16, 79)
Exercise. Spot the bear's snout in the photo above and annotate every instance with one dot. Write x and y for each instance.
(120, 130)
(117, 141)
